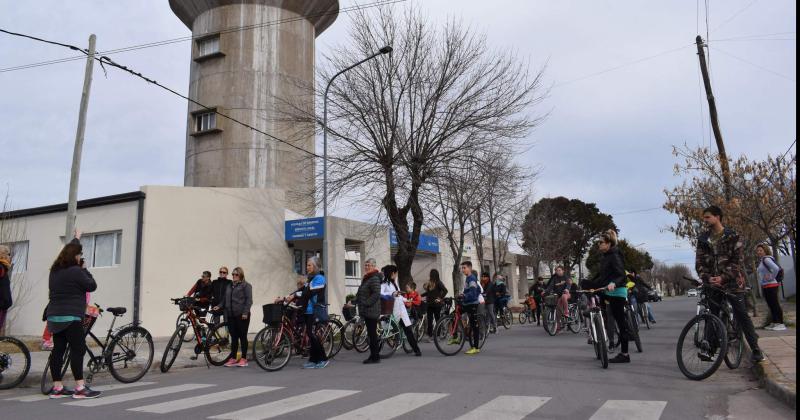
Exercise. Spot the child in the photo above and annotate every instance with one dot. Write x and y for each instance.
(413, 299)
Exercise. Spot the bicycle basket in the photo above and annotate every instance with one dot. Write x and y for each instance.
(550, 300)
(273, 314)
(387, 306)
(348, 313)
(185, 304)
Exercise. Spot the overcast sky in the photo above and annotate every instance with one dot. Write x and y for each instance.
(608, 139)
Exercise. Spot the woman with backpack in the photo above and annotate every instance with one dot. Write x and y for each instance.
(769, 275)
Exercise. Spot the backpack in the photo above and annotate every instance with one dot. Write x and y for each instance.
(779, 276)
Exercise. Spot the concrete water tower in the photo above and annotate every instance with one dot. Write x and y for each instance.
(247, 74)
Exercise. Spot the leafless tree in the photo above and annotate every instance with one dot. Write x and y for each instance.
(443, 95)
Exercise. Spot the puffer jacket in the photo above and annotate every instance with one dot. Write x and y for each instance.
(368, 297)
(611, 270)
(723, 258)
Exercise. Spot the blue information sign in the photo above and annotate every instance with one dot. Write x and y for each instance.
(305, 229)
(427, 243)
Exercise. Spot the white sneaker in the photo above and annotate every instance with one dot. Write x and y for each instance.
(769, 327)
(778, 327)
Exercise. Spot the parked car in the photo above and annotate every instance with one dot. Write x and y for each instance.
(692, 293)
(654, 296)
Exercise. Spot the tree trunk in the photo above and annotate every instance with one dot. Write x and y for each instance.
(494, 241)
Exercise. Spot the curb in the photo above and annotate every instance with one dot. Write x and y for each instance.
(776, 383)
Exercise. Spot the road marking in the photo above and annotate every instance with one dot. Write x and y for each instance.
(201, 400)
(102, 388)
(285, 406)
(140, 395)
(392, 407)
(506, 407)
(630, 410)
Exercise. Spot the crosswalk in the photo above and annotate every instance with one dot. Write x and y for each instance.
(209, 396)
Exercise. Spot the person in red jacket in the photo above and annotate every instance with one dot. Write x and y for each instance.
(413, 300)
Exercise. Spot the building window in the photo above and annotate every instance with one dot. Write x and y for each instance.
(205, 121)
(19, 256)
(102, 249)
(208, 46)
(351, 268)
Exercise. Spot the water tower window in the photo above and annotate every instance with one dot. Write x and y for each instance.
(208, 47)
(205, 121)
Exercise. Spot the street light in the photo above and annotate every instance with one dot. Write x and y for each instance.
(382, 51)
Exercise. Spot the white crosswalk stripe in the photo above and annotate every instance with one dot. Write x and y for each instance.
(140, 395)
(392, 407)
(285, 406)
(201, 400)
(506, 407)
(102, 388)
(630, 410)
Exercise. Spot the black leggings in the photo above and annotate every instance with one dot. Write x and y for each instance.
(412, 340)
(237, 328)
(374, 343)
(76, 338)
(434, 311)
(771, 296)
(475, 332)
(317, 353)
(617, 306)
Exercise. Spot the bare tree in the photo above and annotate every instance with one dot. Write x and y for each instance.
(396, 121)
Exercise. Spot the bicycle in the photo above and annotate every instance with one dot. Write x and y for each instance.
(122, 352)
(503, 314)
(596, 326)
(642, 312)
(281, 338)
(338, 332)
(527, 314)
(212, 340)
(452, 331)
(631, 318)
(714, 338)
(391, 336)
(551, 315)
(420, 318)
(15, 362)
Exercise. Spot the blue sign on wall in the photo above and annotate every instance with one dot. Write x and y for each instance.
(297, 230)
(427, 243)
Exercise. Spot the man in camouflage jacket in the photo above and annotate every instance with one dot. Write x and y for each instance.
(719, 258)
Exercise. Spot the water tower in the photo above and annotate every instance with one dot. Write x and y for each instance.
(248, 58)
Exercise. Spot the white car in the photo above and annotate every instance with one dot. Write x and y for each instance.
(691, 293)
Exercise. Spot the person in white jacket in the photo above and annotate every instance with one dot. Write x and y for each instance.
(390, 290)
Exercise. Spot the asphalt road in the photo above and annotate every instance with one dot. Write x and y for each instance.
(521, 373)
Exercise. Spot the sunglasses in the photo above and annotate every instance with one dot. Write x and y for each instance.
(223, 272)
(236, 274)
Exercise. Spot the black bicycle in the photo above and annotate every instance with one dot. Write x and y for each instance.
(15, 362)
(126, 352)
(709, 339)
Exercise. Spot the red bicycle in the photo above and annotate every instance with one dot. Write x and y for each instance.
(212, 339)
(283, 337)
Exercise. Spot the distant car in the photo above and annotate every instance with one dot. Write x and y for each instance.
(692, 293)
(654, 296)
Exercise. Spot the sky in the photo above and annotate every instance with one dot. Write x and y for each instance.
(623, 76)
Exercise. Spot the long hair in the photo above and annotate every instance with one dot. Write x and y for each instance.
(388, 270)
(241, 274)
(610, 237)
(433, 279)
(66, 258)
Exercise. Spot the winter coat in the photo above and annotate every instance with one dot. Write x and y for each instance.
(722, 258)
(612, 270)
(5, 286)
(238, 299)
(437, 292)
(68, 288)
(368, 297)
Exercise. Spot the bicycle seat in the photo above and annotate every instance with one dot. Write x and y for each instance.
(117, 311)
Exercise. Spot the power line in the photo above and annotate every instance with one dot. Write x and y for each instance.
(192, 37)
(622, 213)
(744, 37)
(735, 15)
(756, 65)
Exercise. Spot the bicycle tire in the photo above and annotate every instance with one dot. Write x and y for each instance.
(182, 319)
(8, 379)
(508, 318)
(574, 325)
(347, 335)
(46, 384)
(483, 326)
(337, 329)
(633, 328)
(523, 318)
(388, 342)
(324, 333)
(172, 350)
(448, 329)
(217, 347)
(550, 322)
(129, 340)
(360, 337)
(602, 346)
(270, 353)
(733, 357)
(722, 341)
(643, 315)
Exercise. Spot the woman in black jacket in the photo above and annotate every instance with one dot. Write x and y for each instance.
(611, 276)
(434, 295)
(368, 300)
(5, 284)
(69, 282)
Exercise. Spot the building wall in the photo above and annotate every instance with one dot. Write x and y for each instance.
(44, 232)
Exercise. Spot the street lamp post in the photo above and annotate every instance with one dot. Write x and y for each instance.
(382, 51)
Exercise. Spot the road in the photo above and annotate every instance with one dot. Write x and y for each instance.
(522, 373)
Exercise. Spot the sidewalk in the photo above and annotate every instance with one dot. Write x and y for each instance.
(778, 373)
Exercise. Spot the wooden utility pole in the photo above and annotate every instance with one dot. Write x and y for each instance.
(712, 108)
(72, 205)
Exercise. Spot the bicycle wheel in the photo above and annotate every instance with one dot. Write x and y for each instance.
(15, 362)
(419, 328)
(448, 336)
(550, 323)
(507, 318)
(183, 319)
(733, 357)
(483, 326)
(347, 335)
(337, 330)
(360, 337)
(46, 384)
(218, 345)
(633, 330)
(574, 324)
(272, 349)
(601, 347)
(523, 318)
(701, 347)
(389, 332)
(324, 333)
(130, 354)
(172, 350)
(643, 315)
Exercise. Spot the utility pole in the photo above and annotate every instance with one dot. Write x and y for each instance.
(72, 205)
(712, 108)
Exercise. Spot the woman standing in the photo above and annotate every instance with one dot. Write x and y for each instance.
(389, 290)
(237, 302)
(434, 295)
(611, 276)
(5, 284)
(767, 273)
(368, 299)
(314, 292)
(69, 283)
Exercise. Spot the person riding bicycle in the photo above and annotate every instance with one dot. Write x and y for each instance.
(536, 291)
(471, 295)
(559, 284)
(501, 295)
(719, 262)
(639, 294)
(202, 292)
